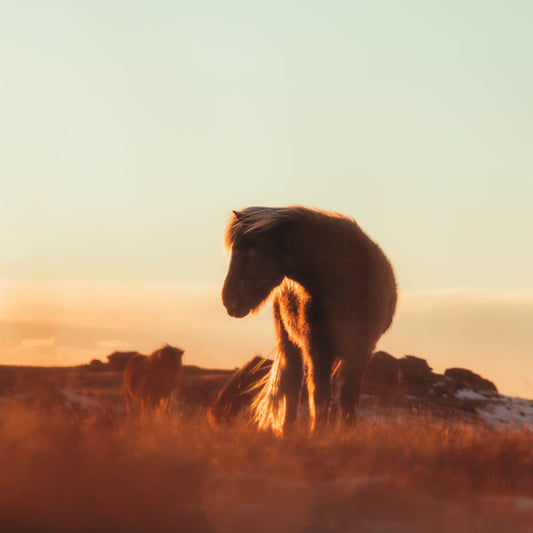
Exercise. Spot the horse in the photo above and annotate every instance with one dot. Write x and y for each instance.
(235, 397)
(150, 380)
(334, 295)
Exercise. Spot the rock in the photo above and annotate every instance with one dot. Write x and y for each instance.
(383, 377)
(383, 367)
(416, 376)
(119, 360)
(470, 380)
(96, 365)
(413, 366)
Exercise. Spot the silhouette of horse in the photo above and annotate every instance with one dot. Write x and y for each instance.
(236, 396)
(334, 296)
(150, 380)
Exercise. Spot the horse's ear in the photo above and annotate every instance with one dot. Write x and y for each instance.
(238, 215)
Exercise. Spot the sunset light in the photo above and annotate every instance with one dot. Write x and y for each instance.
(261, 253)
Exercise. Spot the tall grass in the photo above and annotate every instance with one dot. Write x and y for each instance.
(65, 472)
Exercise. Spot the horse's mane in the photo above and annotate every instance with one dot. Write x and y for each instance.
(254, 221)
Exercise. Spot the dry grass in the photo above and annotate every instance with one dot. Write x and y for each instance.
(68, 473)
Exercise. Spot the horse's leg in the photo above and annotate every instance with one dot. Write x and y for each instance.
(319, 361)
(335, 405)
(131, 405)
(291, 380)
(319, 368)
(129, 402)
(291, 376)
(352, 372)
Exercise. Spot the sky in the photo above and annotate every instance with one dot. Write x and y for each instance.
(130, 130)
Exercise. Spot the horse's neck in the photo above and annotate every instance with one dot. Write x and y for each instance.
(308, 260)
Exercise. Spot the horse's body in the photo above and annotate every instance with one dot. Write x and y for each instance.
(150, 380)
(334, 296)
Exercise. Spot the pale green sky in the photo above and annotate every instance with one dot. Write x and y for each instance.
(129, 131)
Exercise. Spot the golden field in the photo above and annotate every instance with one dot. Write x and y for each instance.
(93, 470)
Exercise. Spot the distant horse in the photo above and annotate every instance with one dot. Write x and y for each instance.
(334, 296)
(150, 380)
(236, 396)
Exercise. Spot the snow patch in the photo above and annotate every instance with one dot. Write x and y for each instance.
(468, 394)
(508, 413)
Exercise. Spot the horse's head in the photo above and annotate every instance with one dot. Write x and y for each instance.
(256, 268)
(170, 354)
(167, 358)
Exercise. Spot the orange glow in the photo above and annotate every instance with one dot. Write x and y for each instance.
(54, 324)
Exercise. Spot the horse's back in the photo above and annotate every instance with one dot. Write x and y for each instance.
(372, 289)
(352, 294)
(164, 369)
(134, 366)
(359, 284)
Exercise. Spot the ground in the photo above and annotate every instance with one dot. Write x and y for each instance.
(72, 461)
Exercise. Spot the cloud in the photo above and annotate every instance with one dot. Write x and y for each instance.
(111, 345)
(31, 344)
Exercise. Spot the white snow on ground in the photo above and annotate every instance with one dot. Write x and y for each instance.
(508, 413)
(468, 394)
(503, 412)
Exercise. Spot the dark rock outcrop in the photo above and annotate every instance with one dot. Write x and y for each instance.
(119, 360)
(467, 379)
(383, 377)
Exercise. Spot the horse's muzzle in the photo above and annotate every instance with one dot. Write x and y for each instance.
(236, 311)
(234, 306)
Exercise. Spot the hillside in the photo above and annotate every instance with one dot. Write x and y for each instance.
(391, 384)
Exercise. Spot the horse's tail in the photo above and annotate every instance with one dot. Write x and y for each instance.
(270, 405)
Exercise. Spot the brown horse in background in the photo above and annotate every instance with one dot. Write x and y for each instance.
(334, 296)
(150, 380)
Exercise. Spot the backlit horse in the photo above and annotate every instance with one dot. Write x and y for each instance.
(334, 296)
(150, 380)
(236, 396)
